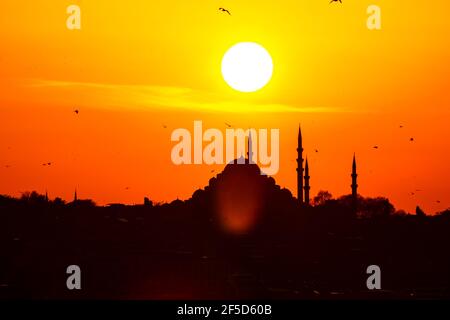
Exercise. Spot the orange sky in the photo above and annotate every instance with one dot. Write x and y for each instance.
(137, 66)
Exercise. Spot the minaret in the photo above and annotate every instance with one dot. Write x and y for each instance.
(46, 196)
(75, 196)
(307, 186)
(300, 167)
(250, 148)
(354, 183)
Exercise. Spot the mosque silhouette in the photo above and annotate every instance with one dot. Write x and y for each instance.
(240, 193)
(241, 237)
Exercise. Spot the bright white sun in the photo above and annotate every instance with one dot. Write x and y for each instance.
(247, 67)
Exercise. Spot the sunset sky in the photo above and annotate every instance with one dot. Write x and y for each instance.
(139, 69)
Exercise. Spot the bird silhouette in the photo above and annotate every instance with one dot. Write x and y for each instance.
(412, 139)
(438, 201)
(335, 1)
(375, 147)
(225, 10)
(317, 151)
(76, 111)
(164, 126)
(228, 125)
(401, 126)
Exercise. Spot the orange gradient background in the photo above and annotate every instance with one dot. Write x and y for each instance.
(137, 70)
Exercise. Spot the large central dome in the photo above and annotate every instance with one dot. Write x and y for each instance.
(239, 195)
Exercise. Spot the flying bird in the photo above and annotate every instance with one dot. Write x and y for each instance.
(438, 201)
(76, 111)
(228, 125)
(317, 151)
(375, 147)
(164, 126)
(335, 1)
(225, 10)
(412, 139)
(401, 126)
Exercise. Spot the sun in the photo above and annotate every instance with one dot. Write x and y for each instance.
(247, 67)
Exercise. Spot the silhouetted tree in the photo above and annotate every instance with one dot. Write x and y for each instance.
(33, 198)
(401, 213)
(420, 212)
(59, 202)
(148, 202)
(376, 208)
(322, 197)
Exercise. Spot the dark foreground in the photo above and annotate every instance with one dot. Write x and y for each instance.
(180, 251)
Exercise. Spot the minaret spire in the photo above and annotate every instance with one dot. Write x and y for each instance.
(75, 196)
(300, 166)
(250, 148)
(354, 180)
(307, 186)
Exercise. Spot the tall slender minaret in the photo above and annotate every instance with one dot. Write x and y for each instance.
(46, 196)
(354, 182)
(250, 148)
(75, 196)
(307, 186)
(300, 167)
